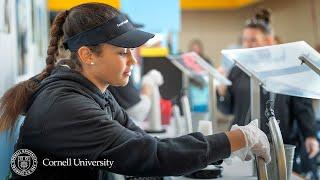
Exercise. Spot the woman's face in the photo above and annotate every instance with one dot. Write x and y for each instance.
(113, 65)
(254, 37)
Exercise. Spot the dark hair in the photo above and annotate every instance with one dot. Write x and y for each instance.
(261, 21)
(66, 24)
(277, 39)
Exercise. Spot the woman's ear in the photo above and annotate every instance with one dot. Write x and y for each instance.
(85, 55)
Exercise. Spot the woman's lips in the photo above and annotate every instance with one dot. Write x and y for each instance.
(127, 73)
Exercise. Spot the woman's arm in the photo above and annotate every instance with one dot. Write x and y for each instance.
(86, 132)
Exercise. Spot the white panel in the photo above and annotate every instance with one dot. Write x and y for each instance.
(279, 69)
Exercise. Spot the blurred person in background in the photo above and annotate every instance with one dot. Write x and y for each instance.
(289, 110)
(198, 87)
(196, 45)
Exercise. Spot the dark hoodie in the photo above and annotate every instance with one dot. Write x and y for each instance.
(69, 117)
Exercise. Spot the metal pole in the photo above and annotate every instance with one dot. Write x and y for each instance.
(255, 114)
(213, 104)
(187, 112)
(277, 143)
(309, 63)
(255, 98)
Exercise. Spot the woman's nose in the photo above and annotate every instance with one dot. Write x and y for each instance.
(131, 59)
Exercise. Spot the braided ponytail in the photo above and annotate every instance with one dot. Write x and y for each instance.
(14, 102)
(56, 34)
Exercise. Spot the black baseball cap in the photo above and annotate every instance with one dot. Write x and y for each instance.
(118, 31)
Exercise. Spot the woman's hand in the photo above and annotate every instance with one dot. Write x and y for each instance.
(312, 146)
(254, 139)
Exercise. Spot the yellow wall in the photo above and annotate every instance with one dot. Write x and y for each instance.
(58, 5)
(214, 4)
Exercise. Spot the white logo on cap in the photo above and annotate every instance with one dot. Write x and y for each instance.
(122, 23)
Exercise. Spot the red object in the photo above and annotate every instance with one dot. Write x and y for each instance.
(166, 111)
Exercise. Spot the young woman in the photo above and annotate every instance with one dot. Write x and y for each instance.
(70, 114)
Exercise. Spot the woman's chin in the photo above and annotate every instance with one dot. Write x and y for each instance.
(123, 82)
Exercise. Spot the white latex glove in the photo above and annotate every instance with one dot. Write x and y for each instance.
(256, 142)
(154, 77)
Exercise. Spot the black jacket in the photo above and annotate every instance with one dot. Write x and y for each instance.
(69, 117)
(288, 109)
